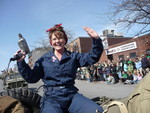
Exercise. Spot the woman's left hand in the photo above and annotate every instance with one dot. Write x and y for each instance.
(91, 32)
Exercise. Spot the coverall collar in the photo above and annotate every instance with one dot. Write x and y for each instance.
(66, 54)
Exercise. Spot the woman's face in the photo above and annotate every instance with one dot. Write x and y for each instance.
(58, 43)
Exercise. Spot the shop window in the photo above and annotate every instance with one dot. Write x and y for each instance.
(132, 55)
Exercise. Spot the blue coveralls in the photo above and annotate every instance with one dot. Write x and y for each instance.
(60, 94)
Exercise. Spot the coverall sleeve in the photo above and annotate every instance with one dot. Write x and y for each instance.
(85, 59)
(31, 75)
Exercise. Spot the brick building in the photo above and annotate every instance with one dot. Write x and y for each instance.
(133, 47)
(80, 44)
(114, 46)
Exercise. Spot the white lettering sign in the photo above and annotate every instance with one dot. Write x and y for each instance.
(121, 48)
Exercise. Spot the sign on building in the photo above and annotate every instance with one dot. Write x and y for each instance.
(125, 47)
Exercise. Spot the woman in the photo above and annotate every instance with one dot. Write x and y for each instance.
(58, 69)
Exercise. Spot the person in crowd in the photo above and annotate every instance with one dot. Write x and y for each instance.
(130, 66)
(119, 70)
(133, 63)
(105, 70)
(114, 72)
(125, 66)
(127, 58)
(138, 65)
(110, 79)
(129, 79)
(145, 64)
(88, 74)
(83, 73)
(79, 74)
(58, 69)
(100, 72)
(136, 76)
(121, 61)
(93, 69)
(124, 76)
(148, 58)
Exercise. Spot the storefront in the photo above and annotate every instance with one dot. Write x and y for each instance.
(132, 48)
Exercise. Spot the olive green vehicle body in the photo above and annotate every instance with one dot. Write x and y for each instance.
(14, 80)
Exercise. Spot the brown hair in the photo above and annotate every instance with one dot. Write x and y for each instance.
(58, 32)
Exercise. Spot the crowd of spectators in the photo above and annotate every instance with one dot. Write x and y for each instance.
(128, 71)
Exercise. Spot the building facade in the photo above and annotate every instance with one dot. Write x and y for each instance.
(115, 47)
(133, 48)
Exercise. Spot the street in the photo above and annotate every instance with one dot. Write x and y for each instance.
(94, 89)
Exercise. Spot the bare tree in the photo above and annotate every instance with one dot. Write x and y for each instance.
(70, 35)
(132, 12)
(43, 43)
